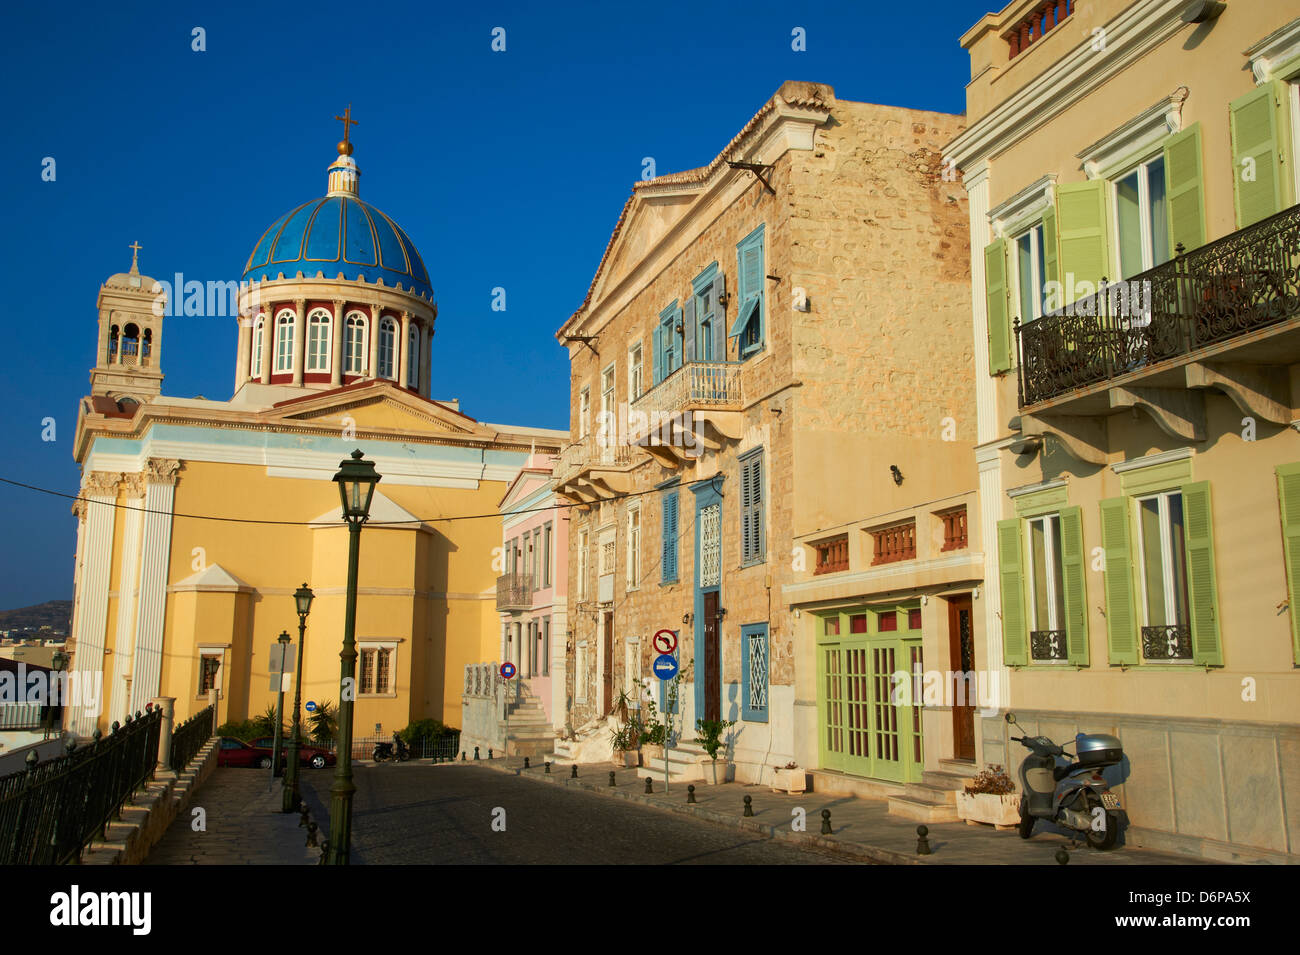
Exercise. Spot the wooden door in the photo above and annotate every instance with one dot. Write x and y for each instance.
(712, 680)
(961, 656)
(608, 675)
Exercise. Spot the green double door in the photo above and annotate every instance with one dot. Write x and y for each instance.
(869, 723)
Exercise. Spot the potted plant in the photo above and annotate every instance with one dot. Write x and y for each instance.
(990, 798)
(711, 739)
(789, 778)
(624, 740)
(654, 734)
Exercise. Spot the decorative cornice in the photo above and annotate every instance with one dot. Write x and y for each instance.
(1276, 49)
(1146, 129)
(1151, 460)
(134, 485)
(1032, 198)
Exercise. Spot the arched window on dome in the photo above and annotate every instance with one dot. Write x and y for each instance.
(113, 335)
(387, 346)
(354, 344)
(413, 357)
(255, 364)
(318, 340)
(131, 344)
(284, 341)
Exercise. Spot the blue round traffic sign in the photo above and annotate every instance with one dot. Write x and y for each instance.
(311, 706)
(507, 670)
(665, 667)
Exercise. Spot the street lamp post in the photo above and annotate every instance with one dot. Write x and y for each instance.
(283, 639)
(303, 598)
(356, 480)
(60, 661)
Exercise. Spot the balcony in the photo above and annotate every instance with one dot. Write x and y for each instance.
(697, 406)
(515, 592)
(594, 467)
(1225, 316)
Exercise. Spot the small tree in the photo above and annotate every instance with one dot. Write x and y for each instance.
(711, 735)
(324, 722)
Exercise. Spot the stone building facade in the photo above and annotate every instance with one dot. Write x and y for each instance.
(757, 328)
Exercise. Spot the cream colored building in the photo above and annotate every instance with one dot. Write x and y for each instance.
(200, 518)
(764, 338)
(1137, 448)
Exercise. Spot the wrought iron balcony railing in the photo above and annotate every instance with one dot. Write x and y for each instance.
(1243, 282)
(696, 384)
(1167, 643)
(515, 592)
(1048, 646)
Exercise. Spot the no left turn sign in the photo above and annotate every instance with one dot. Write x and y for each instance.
(664, 641)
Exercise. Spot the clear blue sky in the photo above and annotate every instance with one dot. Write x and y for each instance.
(506, 169)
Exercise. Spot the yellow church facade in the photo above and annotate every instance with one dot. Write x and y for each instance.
(198, 519)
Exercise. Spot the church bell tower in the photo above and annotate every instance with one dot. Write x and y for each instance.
(129, 354)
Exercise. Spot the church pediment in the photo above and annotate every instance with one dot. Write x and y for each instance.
(650, 218)
(379, 407)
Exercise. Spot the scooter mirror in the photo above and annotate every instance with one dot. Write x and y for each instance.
(1010, 718)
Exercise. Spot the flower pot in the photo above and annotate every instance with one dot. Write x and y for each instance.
(987, 807)
(624, 758)
(789, 780)
(715, 771)
(651, 751)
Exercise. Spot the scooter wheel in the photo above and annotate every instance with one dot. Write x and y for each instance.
(1105, 839)
(1026, 825)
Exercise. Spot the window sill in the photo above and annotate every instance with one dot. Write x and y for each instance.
(376, 696)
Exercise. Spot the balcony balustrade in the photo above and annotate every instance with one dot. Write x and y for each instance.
(515, 592)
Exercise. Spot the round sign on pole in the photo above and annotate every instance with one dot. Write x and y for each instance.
(507, 670)
(665, 667)
(311, 706)
(664, 641)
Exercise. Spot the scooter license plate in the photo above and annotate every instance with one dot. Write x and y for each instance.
(1110, 800)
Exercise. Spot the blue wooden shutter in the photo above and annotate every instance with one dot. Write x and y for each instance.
(668, 568)
(749, 257)
(688, 331)
(656, 351)
(719, 318)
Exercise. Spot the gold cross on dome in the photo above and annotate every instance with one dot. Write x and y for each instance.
(135, 248)
(348, 122)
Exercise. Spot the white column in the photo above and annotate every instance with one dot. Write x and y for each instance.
(338, 342)
(375, 311)
(245, 346)
(426, 352)
(116, 702)
(155, 552)
(95, 559)
(299, 339)
(268, 342)
(403, 364)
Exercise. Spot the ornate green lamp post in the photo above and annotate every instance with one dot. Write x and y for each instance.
(283, 640)
(302, 597)
(60, 661)
(356, 480)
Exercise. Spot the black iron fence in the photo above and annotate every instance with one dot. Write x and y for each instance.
(52, 810)
(1245, 281)
(189, 737)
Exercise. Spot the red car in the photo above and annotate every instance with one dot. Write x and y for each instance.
(235, 752)
(312, 756)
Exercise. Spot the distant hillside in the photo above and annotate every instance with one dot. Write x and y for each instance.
(55, 614)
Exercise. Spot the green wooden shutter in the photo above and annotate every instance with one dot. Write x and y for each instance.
(1051, 272)
(1081, 234)
(995, 281)
(1076, 588)
(1184, 192)
(1121, 617)
(1288, 494)
(1254, 129)
(1202, 590)
(1015, 638)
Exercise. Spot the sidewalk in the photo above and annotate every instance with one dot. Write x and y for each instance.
(860, 828)
(244, 826)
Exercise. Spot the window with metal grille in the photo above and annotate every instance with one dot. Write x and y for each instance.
(832, 555)
(954, 528)
(894, 543)
(754, 672)
(752, 546)
(711, 545)
(376, 670)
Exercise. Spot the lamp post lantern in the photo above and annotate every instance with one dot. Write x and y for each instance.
(356, 480)
(60, 661)
(283, 639)
(302, 598)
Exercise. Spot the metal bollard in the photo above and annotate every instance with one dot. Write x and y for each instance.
(1062, 857)
(611, 778)
(489, 754)
(649, 785)
(573, 771)
(749, 807)
(690, 795)
(462, 756)
(922, 843)
(476, 756)
(304, 818)
(324, 853)
(548, 765)
(826, 823)
(526, 765)
(311, 835)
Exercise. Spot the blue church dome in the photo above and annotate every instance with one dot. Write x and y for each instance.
(339, 233)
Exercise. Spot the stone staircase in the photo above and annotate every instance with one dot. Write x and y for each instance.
(529, 732)
(934, 798)
(685, 764)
